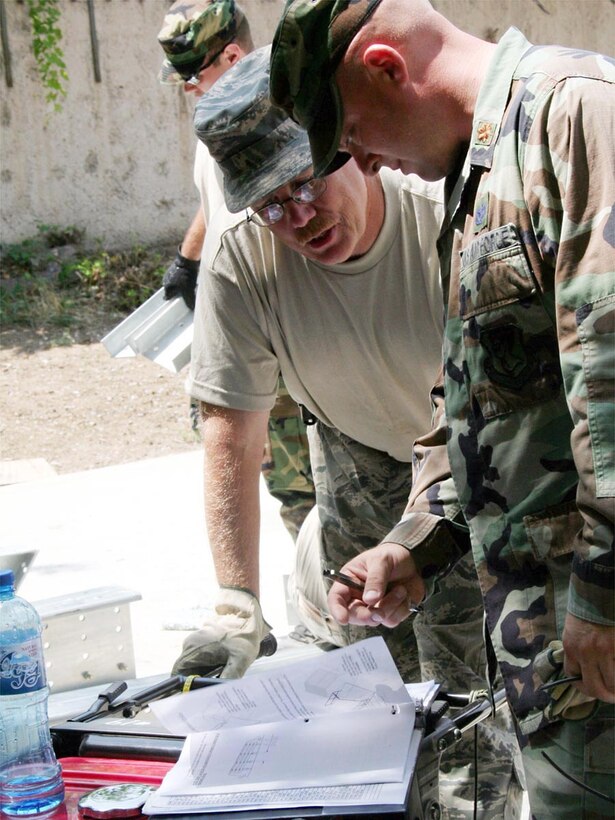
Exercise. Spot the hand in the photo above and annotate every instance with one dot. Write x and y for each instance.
(392, 585)
(232, 638)
(180, 279)
(590, 652)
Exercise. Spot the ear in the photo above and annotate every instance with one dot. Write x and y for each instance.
(381, 59)
(232, 54)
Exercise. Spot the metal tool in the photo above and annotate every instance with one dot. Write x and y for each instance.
(106, 702)
(102, 703)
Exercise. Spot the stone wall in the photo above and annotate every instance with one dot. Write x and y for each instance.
(117, 160)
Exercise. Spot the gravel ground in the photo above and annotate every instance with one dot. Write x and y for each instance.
(77, 408)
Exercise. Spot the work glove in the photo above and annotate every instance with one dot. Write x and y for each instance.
(566, 702)
(180, 279)
(232, 638)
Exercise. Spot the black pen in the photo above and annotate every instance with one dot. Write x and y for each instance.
(334, 575)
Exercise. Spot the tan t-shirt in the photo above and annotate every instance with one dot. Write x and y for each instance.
(358, 343)
(208, 180)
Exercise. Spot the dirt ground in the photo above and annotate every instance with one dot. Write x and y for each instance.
(64, 399)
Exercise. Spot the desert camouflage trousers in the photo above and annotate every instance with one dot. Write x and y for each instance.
(584, 749)
(361, 493)
(286, 462)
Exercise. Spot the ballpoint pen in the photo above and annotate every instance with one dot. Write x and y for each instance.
(334, 575)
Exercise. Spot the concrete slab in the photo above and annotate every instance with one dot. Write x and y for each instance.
(25, 469)
(139, 525)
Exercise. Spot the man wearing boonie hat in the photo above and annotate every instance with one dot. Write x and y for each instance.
(523, 135)
(326, 283)
(202, 39)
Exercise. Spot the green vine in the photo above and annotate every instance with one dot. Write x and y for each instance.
(46, 36)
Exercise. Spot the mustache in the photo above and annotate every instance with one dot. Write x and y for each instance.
(319, 224)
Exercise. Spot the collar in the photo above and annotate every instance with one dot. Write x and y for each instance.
(493, 96)
(391, 182)
(488, 113)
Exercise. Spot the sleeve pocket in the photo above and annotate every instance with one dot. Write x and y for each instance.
(596, 329)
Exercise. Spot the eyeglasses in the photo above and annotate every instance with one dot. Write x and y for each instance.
(193, 78)
(304, 194)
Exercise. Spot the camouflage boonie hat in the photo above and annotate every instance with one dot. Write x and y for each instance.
(309, 44)
(257, 147)
(193, 34)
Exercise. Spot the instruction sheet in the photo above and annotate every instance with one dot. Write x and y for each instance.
(335, 729)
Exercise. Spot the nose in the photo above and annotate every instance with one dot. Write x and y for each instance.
(370, 164)
(299, 213)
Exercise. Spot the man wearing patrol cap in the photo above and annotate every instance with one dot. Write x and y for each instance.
(202, 39)
(524, 135)
(328, 284)
(195, 34)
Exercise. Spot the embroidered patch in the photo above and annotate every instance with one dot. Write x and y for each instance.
(480, 212)
(484, 132)
(499, 239)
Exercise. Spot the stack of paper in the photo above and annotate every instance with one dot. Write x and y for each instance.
(333, 730)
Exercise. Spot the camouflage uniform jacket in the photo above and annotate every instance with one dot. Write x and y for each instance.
(529, 350)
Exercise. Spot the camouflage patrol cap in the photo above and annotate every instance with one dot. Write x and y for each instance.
(309, 44)
(193, 34)
(257, 147)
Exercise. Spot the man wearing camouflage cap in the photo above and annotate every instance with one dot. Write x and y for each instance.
(202, 39)
(327, 284)
(524, 135)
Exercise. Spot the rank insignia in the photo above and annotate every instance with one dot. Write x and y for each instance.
(484, 133)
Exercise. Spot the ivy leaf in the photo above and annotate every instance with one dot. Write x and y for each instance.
(46, 37)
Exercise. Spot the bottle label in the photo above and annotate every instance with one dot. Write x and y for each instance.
(21, 668)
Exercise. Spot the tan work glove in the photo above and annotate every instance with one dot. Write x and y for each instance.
(231, 638)
(566, 700)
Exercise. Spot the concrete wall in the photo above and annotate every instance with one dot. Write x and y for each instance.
(117, 160)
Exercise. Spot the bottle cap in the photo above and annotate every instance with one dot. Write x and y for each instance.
(120, 800)
(7, 578)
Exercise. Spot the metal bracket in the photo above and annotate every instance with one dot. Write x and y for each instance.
(158, 329)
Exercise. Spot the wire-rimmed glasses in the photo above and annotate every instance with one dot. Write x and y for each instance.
(303, 194)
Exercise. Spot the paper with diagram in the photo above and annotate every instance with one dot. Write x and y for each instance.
(330, 730)
(356, 677)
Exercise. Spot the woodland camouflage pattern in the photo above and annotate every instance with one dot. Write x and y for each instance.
(286, 462)
(360, 493)
(528, 249)
(309, 43)
(529, 357)
(529, 352)
(194, 33)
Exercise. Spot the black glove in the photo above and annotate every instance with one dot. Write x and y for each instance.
(180, 279)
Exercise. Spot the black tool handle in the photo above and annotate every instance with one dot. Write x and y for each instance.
(102, 702)
(268, 646)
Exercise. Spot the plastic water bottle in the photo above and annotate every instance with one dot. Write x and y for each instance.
(30, 775)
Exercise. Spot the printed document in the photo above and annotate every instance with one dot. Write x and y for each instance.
(335, 729)
(351, 679)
